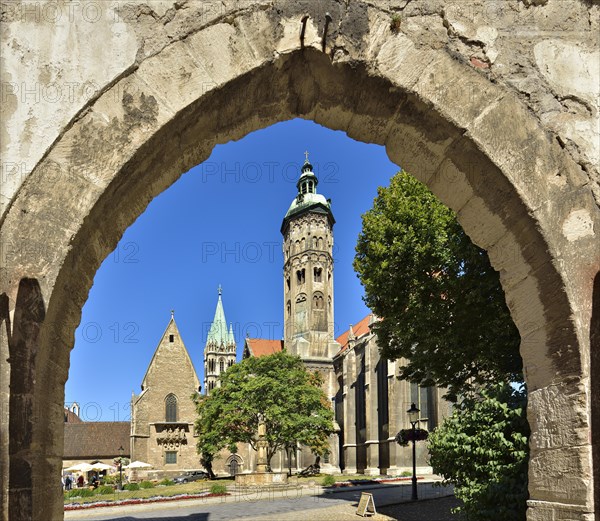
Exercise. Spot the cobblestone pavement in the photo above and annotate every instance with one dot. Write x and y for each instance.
(425, 510)
(428, 510)
(300, 505)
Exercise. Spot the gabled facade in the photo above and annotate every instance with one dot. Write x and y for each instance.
(163, 414)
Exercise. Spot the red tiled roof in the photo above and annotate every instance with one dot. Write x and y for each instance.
(96, 440)
(359, 330)
(263, 347)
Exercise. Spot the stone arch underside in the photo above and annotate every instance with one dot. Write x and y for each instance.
(472, 142)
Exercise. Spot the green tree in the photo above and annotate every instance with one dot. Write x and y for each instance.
(442, 307)
(482, 450)
(443, 311)
(278, 387)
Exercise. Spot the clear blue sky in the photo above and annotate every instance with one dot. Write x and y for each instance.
(218, 224)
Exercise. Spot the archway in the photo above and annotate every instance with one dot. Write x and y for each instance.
(469, 140)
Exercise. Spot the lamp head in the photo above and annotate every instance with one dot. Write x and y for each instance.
(413, 413)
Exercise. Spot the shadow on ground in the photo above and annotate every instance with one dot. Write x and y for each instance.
(427, 510)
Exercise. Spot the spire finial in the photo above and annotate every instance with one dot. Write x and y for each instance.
(172, 313)
(306, 156)
(220, 290)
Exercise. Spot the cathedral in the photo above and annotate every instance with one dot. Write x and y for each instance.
(368, 398)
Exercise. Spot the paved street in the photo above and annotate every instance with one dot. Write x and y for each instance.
(302, 504)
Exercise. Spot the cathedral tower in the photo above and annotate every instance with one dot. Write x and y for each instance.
(308, 272)
(307, 231)
(220, 349)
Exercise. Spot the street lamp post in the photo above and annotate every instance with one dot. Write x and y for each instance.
(413, 418)
(121, 451)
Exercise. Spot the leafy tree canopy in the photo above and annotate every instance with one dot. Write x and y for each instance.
(278, 387)
(482, 450)
(442, 306)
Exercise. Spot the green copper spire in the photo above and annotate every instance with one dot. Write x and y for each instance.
(231, 338)
(307, 199)
(218, 330)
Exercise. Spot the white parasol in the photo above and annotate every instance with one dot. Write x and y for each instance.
(138, 465)
(102, 466)
(80, 467)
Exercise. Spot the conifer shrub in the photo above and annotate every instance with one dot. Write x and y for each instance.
(217, 488)
(328, 481)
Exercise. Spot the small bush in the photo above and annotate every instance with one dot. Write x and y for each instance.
(110, 480)
(131, 486)
(80, 492)
(104, 489)
(406, 473)
(167, 482)
(146, 484)
(328, 481)
(217, 488)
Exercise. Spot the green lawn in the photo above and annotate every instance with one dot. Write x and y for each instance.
(165, 491)
(194, 488)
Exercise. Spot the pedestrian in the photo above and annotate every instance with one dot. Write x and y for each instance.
(80, 481)
(68, 483)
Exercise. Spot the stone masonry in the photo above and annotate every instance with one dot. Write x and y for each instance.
(494, 105)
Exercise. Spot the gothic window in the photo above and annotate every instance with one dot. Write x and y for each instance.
(171, 408)
(303, 244)
(301, 298)
(171, 338)
(423, 398)
(289, 308)
(171, 456)
(329, 304)
(317, 301)
(221, 365)
(230, 363)
(289, 283)
(317, 272)
(301, 276)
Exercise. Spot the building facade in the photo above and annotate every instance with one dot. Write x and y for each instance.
(163, 414)
(368, 399)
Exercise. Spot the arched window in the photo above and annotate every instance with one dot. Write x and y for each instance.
(221, 365)
(171, 408)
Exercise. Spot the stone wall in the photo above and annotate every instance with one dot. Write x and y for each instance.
(152, 433)
(493, 104)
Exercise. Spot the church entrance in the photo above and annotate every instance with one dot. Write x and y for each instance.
(234, 466)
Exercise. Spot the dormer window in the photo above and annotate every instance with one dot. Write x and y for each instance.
(171, 338)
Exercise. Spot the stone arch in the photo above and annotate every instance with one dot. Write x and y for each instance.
(595, 386)
(235, 463)
(470, 140)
